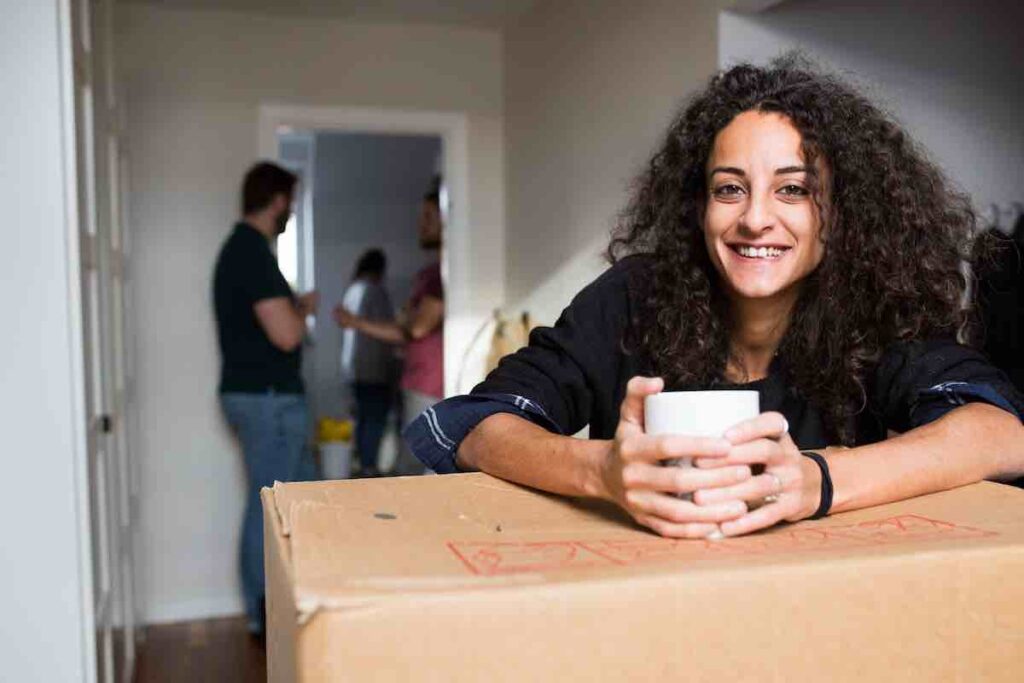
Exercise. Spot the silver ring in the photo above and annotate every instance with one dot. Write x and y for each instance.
(774, 496)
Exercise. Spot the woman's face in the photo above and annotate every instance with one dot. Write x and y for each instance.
(761, 224)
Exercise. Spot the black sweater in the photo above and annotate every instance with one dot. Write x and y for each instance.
(575, 373)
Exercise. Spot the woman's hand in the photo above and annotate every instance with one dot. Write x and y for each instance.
(634, 478)
(344, 318)
(788, 488)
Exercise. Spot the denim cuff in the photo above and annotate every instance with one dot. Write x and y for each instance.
(936, 401)
(435, 435)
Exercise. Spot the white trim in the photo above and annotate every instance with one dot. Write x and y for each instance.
(307, 273)
(451, 127)
(78, 414)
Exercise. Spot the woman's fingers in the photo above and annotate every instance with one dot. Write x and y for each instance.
(652, 477)
(754, 489)
(650, 449)
(631, 411)
(770, 425)
(667, 529)
(761, 518)
(759, 440)
(676, 511)
(758, 452)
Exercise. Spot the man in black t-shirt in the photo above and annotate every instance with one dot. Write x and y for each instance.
(260, 328)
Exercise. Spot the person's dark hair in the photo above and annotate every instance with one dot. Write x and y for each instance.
(895, 231)
(262, 182)
(433, 195)
(372, 262)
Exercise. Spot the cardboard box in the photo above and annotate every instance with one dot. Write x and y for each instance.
(468, 578)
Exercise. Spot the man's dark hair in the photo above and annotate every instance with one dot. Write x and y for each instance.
(262, 182)
(433, 195)
(372, 262)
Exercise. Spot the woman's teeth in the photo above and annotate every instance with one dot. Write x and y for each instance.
(759, 252)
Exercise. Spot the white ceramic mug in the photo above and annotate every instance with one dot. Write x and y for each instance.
(697, 413)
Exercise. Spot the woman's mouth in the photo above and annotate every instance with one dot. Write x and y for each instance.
(759, 253)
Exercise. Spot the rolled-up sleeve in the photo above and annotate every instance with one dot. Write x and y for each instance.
(918, 383)
(435, 435)
(568, 377)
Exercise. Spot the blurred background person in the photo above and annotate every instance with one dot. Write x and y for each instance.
(261, 325)
(420, 329)
(999, 265)
(368, 364)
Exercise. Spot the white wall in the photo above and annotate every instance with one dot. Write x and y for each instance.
(195, 81)
(590, 88)
(45, 579)
(368, 194)
(950, 71)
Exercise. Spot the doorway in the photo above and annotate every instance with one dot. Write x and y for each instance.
(461, 319)
(358, 191)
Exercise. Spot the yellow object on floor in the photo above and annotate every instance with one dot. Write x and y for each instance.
(330, 430)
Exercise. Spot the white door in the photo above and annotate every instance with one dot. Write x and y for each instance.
(100, 161)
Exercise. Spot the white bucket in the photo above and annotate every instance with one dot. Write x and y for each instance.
(336, 459)
(389, 444)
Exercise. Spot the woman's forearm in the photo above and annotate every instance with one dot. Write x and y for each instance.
(509, 447)
(386, 331)
(969, 444)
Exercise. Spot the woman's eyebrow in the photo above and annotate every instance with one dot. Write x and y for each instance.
(806, 168)
(732, 170)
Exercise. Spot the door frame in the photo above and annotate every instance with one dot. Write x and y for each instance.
(451, 127)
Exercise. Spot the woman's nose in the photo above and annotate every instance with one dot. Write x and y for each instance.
(760, 215)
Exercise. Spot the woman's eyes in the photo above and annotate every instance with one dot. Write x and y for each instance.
(733, 190)
(729, 190)
(794, 190)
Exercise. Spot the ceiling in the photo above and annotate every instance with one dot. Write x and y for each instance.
(494, 14)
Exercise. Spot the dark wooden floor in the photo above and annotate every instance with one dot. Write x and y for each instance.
(215, 650)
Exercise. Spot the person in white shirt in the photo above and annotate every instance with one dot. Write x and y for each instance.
(369, 365)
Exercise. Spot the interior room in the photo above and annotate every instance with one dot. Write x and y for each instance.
(528, 125)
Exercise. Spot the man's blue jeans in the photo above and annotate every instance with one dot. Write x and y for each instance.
(274, 431)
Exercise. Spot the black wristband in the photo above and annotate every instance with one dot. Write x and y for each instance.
(826, 485)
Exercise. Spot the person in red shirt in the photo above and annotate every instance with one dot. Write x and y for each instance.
(421, 330)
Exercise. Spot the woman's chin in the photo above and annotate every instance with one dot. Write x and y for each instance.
(756, 291)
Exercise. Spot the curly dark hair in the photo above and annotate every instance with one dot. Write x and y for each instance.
(896, 233)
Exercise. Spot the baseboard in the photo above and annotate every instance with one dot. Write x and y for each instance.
(190, 610)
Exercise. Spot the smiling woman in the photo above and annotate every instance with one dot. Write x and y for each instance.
(761, 225)
(787, 238)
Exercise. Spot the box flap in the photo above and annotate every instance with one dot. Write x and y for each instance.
(357, 543)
